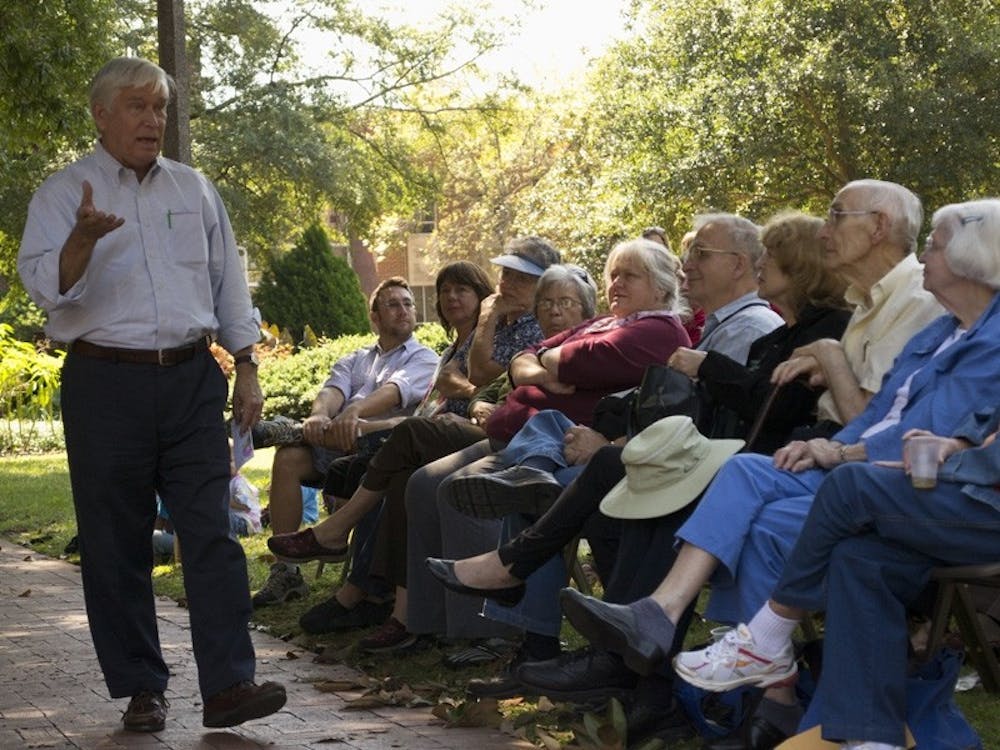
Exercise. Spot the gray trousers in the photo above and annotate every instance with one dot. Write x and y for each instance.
(435, 529)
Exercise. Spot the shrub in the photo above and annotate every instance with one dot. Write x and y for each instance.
(309, 285)
(29, 395)
(433, 336)
(290, 383)
(26, 319)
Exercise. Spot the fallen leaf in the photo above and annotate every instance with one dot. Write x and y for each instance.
(481, 713)
(291, 655)
(338, 686)
(370, 700)
(26, 558)
(26, 592)
(544, 704)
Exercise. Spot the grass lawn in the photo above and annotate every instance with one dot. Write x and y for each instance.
(36, 510)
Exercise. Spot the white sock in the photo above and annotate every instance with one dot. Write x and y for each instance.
(855, 745)
(771, 632)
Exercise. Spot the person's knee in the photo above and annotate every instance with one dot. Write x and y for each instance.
(293, 461)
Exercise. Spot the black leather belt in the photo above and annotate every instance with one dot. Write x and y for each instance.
(163, 357)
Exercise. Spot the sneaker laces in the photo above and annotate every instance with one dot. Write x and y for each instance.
(725, 649)
(279, 580)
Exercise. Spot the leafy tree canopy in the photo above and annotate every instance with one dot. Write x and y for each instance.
(753, 105)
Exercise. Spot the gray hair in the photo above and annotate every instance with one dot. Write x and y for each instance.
(568, 273)
(905, 212)
(661, 265)
(123, 72)
(744, 235)
(535, 249)
(973, 251)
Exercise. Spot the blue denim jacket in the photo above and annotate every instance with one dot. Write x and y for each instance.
(944, 390)
(977, 469)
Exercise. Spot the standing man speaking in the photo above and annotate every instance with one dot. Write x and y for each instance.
(134, 259)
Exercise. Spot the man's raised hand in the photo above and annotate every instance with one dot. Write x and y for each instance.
(90, 222)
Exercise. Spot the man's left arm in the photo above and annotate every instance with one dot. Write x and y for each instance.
(238, 331)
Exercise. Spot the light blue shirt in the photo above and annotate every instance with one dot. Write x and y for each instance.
(410, 367)
(169, 275)
(733, 327)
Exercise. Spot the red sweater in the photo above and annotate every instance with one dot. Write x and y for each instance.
(597, 363)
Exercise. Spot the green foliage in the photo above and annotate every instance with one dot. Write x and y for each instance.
(310, 286)
(756, 105)
(29, 390)
(290, 383)
(48, 53)
(433, 336)
(26, 319)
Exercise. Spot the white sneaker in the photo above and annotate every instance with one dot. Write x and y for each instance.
(732, 661)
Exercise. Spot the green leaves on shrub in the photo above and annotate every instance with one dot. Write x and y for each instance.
(29, 395)
(309, 285)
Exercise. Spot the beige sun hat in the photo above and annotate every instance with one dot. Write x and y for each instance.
(667, 465)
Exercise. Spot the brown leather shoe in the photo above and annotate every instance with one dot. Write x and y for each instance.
(146, 712)
(242, 702)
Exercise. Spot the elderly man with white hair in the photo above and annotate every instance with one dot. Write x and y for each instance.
(870, 237)
(133, 257)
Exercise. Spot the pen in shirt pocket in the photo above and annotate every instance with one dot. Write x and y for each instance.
(171, 214)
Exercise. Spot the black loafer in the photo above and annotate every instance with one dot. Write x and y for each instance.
(146, 712)
(579, 676)
(444, 571)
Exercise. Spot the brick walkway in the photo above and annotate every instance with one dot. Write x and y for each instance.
(52, 694)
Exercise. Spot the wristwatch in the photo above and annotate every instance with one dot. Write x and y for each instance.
(252, 358)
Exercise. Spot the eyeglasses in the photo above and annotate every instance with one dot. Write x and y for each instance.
(396, 305)
(699, 253)
(834, 214)
(563, 303)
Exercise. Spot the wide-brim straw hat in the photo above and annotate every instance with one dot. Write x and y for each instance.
(667, 465)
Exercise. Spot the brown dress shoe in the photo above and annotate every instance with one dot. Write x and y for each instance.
(242, 702)
(146, 712)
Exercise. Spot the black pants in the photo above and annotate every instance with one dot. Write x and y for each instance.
(575, 512)
(133, 431)
(413, 443)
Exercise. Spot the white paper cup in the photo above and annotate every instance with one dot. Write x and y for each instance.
(922, 455)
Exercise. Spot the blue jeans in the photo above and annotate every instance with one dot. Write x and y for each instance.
(542, 437)
(864, 553)
(539, 610)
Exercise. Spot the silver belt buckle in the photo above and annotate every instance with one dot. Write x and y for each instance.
(159, 357)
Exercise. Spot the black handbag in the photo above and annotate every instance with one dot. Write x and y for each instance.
(664, 392)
